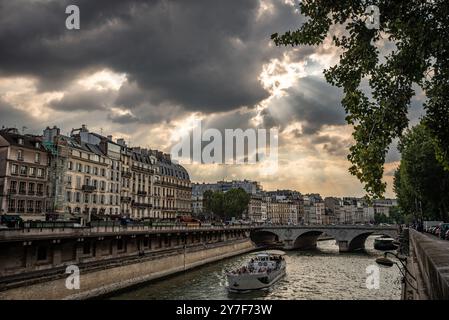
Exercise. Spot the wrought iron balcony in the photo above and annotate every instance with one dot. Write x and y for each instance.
(87, 188)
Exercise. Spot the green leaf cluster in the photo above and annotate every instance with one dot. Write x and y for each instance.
(419, 32)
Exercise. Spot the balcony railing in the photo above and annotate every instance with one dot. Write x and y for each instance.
(87, 188)
(141, 193)
(141, 205)
(126, 174)
(125, 199)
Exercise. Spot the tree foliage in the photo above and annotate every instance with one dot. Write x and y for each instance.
(418, 31)
(232, 203)
(421, 183)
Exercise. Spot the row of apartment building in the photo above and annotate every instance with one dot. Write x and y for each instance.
(291, 207)
(87, 176)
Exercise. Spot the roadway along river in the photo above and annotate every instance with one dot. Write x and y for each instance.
(320, 274)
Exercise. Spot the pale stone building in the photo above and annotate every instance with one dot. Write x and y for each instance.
(24, 185)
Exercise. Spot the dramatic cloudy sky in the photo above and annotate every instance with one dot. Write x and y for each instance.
(144, 70)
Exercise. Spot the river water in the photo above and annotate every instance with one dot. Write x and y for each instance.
(323, 273)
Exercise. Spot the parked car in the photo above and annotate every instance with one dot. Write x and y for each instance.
(433, 229)
(444, 227)
(437, 231)
(447, 235)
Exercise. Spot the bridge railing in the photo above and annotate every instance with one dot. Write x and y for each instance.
(23, 233)
(432, 257)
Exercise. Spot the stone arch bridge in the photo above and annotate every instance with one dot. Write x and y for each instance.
(348, 237)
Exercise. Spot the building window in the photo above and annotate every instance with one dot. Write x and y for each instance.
(13, 187)
(12, 205)
(23, 170)
(37, 157)
(30, 207)
(21, 206)
(77, 197)
(20, 155)
(20, 141)
(31, 188)
(14, 169)
(38, 206)
(40, 172)
(22, 187)
(68, 196)
(79, 167)
(40, 189)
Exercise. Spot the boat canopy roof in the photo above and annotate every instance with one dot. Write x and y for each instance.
(269, 253)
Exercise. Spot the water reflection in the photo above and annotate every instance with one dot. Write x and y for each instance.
(323, 273)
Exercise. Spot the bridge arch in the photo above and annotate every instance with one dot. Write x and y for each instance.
(358, 241)
(347, 237)
(307, 240)
(264, 238)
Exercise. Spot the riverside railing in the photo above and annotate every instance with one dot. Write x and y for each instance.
(79, 231)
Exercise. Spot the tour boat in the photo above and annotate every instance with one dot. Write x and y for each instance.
(384, 243)
(260, 272)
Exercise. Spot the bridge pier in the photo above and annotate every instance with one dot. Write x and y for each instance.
(343, 246)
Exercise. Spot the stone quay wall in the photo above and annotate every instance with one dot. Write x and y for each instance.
(111, 276)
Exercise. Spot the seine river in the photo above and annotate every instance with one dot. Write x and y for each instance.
(319, 274)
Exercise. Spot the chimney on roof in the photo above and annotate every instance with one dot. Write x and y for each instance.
(110, 138)
(84, 128)
(121, 142)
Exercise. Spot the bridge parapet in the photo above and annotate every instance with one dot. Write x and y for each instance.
(429, 261)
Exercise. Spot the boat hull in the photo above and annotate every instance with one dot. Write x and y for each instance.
(254, 281)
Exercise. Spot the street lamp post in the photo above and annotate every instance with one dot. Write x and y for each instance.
(385, 262)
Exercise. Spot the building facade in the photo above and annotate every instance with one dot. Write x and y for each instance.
(24, 185)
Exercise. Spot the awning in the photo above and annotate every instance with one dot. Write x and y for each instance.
(10, 218)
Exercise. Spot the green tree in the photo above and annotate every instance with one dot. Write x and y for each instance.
(380, 218)
(216, 203)
(421, 183)
(207, 200)
(396, 215)
(235, 203)
(418, 32)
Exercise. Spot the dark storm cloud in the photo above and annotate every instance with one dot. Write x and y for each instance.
(89, 100)
(204, 55)
(125, 118)
(14, 118)
(312, 102)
